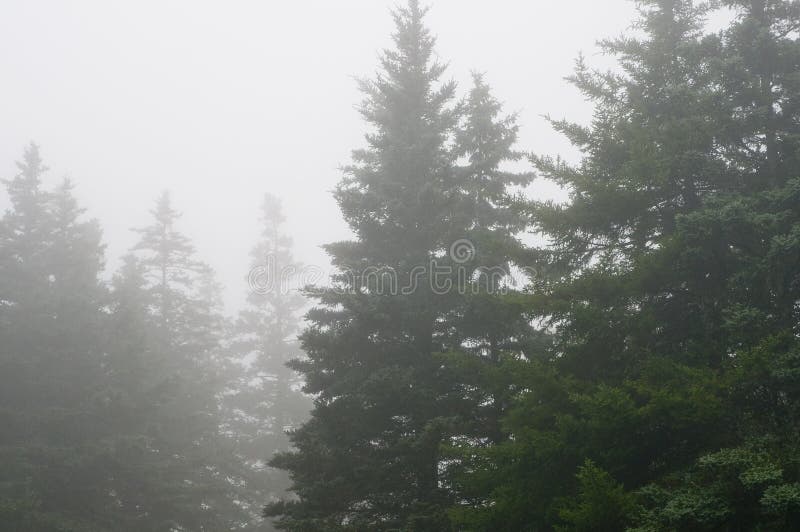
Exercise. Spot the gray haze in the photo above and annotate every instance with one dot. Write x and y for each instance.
(220, 102)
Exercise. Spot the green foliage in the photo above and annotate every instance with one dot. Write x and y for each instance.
(399, 373)
(601, 503)
(670, 286)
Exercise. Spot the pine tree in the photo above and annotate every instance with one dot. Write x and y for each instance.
(487, 329)
(263, 399)
(50, 356)
(369, 455)
(739, 255)
(396, 369)
(172, 466)
(25, 235)
(76, 256)
(628, 344)
(172, 272)
(659, 293)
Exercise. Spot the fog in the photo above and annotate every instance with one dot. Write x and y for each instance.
(552, 259)
(219, 103)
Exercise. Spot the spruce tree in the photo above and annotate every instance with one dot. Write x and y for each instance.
(487, 328)
(50, 357)
(399, 345)
(263, 399)
(669, 284)
(627, 344)
(369, 455)
(738, 256)
(173, 469)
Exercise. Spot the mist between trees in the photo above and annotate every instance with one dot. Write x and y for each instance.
(637, 368)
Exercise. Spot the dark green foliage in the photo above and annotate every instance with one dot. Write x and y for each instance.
(671, 272)
(368, 457)
(402, 373)
(600, 504)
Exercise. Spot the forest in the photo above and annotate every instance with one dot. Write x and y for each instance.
(481, 359)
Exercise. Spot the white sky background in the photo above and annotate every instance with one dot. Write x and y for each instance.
(220, 102)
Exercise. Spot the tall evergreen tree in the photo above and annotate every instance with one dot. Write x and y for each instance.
(172, 467)
(173, 275)
(369, 455)
(628, 345)
(487, 328)
(263, 400)
(194, 460)
(383, 348)
(738, 254)
(659, 295)
(50, 356)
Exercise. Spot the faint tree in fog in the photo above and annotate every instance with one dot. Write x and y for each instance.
(50, 356)
(263, 399)
(179, 472)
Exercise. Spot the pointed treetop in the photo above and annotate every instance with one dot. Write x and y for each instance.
(31, 168)
(163, 211)
(410, 63)
(31, 165)
(272, 210)
(413, 40)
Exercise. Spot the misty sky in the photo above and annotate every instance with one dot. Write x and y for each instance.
(220, 102)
